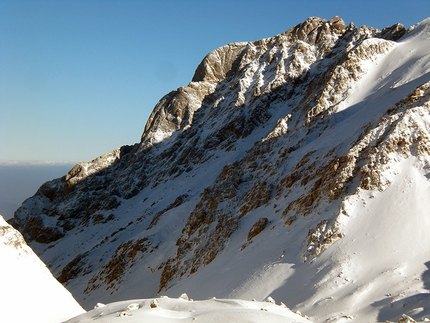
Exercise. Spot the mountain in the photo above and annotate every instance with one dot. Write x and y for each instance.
(29, 292)
(295, 166)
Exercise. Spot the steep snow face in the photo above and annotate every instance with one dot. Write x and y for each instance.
(29, 292)
(274, 172)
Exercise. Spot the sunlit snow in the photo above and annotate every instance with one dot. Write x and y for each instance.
(169, 310)
(28, 291)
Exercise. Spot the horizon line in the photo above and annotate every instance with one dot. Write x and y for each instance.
(36, 162)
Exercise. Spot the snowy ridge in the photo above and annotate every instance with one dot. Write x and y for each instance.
(295, 166)
(182, 309)
(29, 292)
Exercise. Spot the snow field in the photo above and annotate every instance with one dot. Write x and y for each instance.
(169, 310)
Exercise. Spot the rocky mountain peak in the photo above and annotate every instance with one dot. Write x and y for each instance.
(314, 29)
(286, 57)
(234, 62)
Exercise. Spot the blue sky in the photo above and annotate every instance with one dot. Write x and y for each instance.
(80, 78)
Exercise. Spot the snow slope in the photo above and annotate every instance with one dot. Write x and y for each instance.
(169, 310)
(295, 166)
(29, 292)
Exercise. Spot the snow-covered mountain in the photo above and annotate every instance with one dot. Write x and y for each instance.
(295, 166)
(29, 292)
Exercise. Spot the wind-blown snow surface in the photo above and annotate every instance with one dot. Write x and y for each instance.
(168, 310)
(296, 166)
(28, 291)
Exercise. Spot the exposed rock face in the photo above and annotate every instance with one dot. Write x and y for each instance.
(12, 238)
(220, 64)
(257, 228)
(263, 134)
(395, 32)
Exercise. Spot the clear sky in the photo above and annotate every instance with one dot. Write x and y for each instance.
(80, 78)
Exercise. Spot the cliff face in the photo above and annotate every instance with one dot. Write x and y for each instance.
(259, 160)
